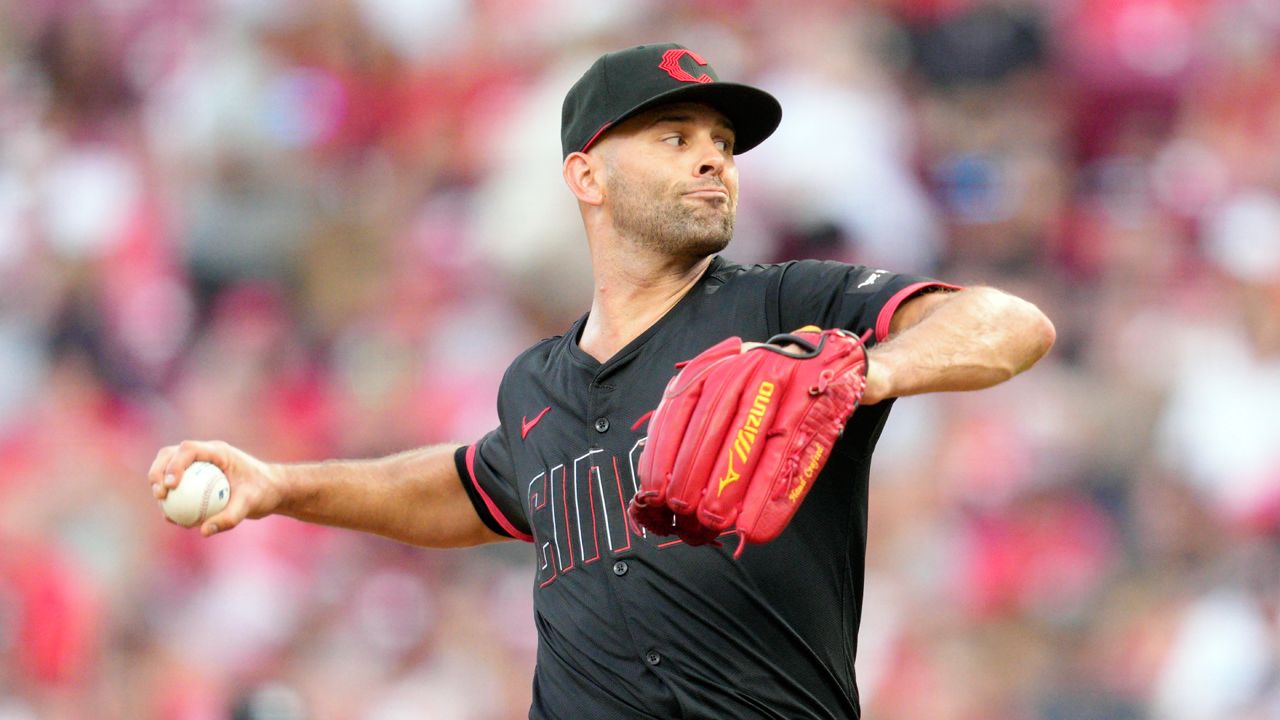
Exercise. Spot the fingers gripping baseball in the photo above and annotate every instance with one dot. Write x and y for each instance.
(253, 488)
(743, 430)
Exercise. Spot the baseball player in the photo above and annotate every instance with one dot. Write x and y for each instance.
(633, 623)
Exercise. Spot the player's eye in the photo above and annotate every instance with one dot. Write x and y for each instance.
(674, 140)
(723, 145)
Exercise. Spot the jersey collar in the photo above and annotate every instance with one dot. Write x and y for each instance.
(599, 369)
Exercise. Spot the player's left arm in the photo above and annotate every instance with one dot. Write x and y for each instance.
(964, 340)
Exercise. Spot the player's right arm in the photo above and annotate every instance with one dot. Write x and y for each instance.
(415, 497)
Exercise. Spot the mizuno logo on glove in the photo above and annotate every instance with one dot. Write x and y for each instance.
(746, 438)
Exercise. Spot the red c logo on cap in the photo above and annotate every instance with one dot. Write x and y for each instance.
(671, 63)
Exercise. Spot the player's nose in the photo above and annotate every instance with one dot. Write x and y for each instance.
(711, 158)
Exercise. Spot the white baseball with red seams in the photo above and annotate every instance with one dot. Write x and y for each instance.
(201, 494)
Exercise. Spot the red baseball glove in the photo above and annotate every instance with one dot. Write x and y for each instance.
(740, 435)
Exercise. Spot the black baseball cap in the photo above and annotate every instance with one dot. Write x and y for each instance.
(623, 83)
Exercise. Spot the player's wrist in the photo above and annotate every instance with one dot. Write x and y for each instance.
(880, 373)
(284, 486)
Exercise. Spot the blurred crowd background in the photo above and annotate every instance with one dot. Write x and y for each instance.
(320, 229)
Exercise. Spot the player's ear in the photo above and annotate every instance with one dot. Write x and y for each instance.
(584, 174)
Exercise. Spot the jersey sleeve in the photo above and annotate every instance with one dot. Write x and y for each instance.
(487, 474)
(853, 297)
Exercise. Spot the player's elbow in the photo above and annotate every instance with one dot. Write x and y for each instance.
(1017, 333)
(1047, 333)
(1039, 334)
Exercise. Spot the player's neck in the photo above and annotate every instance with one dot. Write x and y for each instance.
(630, 297)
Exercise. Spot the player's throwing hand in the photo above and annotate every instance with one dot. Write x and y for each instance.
(255, 486)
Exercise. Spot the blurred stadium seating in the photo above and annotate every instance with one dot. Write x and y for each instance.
(323, 229)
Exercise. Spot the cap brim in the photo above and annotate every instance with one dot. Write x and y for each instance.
(754, 113)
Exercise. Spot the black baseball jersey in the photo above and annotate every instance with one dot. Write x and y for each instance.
(632, 625)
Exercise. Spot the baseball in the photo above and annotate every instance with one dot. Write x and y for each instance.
(202, 493)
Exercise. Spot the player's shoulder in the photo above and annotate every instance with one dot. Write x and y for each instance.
(529, 372)
(549, 357)
(724, 271)
(805, 274)
(727, 270)
(539, 356)
(821, 269)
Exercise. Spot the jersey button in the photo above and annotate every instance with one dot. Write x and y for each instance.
(602, 424)
(620, 568)
(652, 657)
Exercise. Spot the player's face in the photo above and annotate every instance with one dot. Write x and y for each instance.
(671, 182)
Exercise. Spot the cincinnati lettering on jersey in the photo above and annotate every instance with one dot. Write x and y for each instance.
(745, 439)
(578, 512)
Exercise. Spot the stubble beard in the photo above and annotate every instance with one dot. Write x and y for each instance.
(650, 216)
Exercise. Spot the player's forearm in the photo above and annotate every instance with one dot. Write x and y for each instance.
(976, 338)
(414, 497)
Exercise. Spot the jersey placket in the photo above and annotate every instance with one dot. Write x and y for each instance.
(605, 429)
